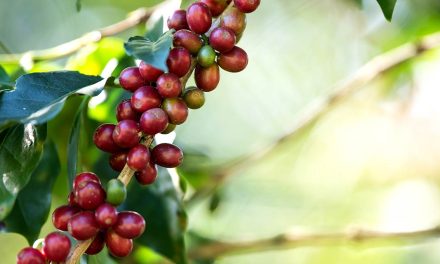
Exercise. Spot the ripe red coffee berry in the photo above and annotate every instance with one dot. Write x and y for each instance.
(145, 98)
(118, 246)
(118, 160)
(56, 247)
(103, 138)
(179, 61)
(131, 79)
(97, 244)
(83, 225)
(188, 40)
(199, 18)
(71, 199)
(208, 78)
(176, 110)
(90, 195)
(125, 111)
(153, 121)
(216, 6)
(126, 134)
(235, 60)
(247, 6)
(148, 72)
(62, 215)
(83, 178)
(234, 20)
(106, 215)
(167, 155)
(138, 157)
(147, 175)
(222, 39)
(129, 224)
(168, 85)
(30, 256)
(178, 21)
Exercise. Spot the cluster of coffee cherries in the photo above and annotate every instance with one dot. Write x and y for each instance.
(90, 214)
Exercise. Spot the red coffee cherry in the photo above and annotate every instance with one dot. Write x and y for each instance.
(90, 195)
(138, 157)
(178, 20)
(179, 61)
(176, 110)
(118, 160)
(194, 98)
(222, 39)
(187, 39)
(167, 155)
(147, 175)
(168, 85)
(129, 224)
(234, 20)
(56, 247)
(247, 6)
(83, 178)
(149, 72)
(145, 98)
(125, 111)
(153, 121)
(199, 18)
(97, 244)
(126, 134)
(118, 246)
(71, 199)
(207, 79)
(131, 79)
(216, 6)
(103, 138)
(62, 215)
(235, 60)
(106, 215)
(30, 256)
(83, 225)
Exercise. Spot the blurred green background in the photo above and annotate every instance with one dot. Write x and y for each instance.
(372, 161)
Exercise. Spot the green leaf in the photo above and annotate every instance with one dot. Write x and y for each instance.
(5, 82)
(102, 258)
(39, 97)
(185, 3)
(32, 207)
(78, 5)
(156, 31)
(20, 151)
(387, 7)
(152, 52)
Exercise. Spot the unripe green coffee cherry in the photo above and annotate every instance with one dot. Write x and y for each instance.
(206, 56)
(170, 128)
(116, 192)
(194, 98)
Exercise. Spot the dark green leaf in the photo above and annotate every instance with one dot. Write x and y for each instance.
(5, 81)
(156, 31)
(78, 5)
(20, 151)
(387, 7)
(38, 97)
(152, 52)
(33, 202)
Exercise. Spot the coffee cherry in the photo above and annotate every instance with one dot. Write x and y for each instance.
(90, 195)
(216, 6)
(149, 72)
(62, 215)
(178, 20)
(83, 225)
(116, 192)
(206, 56)
(247, 6)
(138, 157)
(188, 40)
(126, 134)
(129, 225)
(194, 98)
(235, 60)
(168, 85)
(153, 121)
(118, 160)
(103, 138)
(118, 246)
(56, 247)
(207, 79)
(147, 175)
(83, 178)
(234, 20)
(179, 61)
(170, 128)
(131, 79)
(125, 111)
(222, 39)
(106, 215)
(97, 244)
(145, 98)
(167, 155)
(176, 110)
(199, 18)
(30, 256)
(71, 199)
